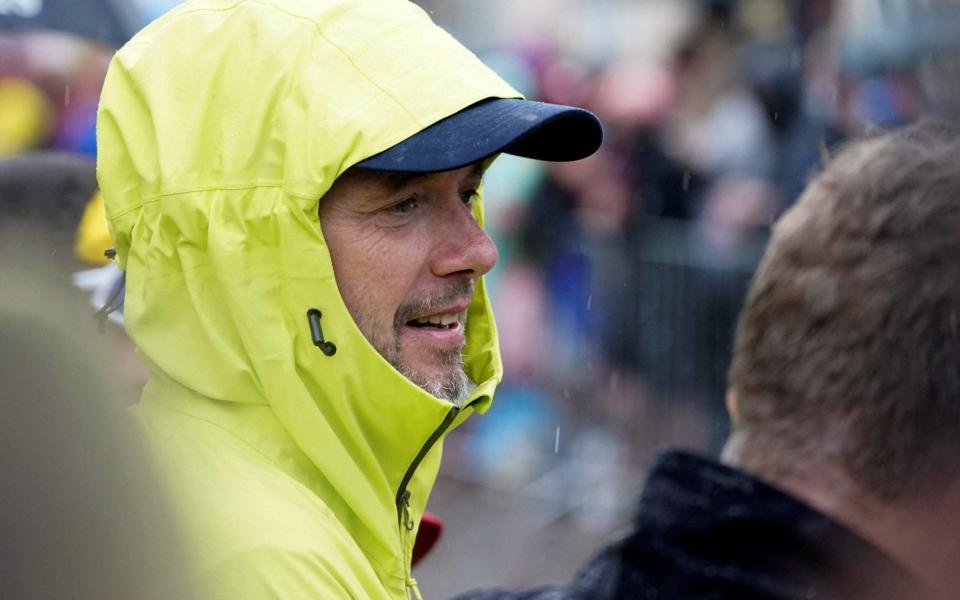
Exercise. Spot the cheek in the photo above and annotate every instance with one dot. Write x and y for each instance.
(375, 270)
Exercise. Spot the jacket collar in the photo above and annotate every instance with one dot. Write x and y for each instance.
(712, 527)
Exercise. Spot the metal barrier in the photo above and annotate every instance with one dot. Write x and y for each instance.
(689, 294)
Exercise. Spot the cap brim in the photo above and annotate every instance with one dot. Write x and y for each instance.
(525, 128)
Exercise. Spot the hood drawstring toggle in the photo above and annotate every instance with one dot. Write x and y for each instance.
(316, 333)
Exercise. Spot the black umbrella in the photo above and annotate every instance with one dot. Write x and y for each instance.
(111, 22)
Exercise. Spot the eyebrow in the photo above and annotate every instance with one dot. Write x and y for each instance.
(396, 181)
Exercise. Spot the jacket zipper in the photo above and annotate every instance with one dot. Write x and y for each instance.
(405, 523)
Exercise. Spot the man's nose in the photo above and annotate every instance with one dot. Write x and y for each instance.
(466, 247)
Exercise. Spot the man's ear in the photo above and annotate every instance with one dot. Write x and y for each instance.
(732, 408)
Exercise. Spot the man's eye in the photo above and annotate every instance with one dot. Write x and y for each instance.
(468, 196)
(405, 206)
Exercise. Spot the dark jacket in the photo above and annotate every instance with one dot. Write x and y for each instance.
(707, 531)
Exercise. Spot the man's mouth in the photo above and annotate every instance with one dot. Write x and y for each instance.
(438, 321)
(438, 324)
(441, 331)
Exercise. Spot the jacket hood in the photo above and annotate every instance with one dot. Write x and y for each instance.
(221, 127)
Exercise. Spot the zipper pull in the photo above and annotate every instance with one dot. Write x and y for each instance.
(405, 509)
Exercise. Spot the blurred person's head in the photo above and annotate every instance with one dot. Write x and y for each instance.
(46, 193)
(563, 79)
(845, 382)
(632, 96)
(81, 513)
(54, 197)
(50, 201)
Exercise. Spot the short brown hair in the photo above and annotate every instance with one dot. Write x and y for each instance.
(848, 349)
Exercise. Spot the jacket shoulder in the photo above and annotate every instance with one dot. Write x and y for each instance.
(252, 529)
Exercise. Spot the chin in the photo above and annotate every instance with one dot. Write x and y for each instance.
(450, 385)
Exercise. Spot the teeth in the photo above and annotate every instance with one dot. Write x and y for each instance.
(442, 320)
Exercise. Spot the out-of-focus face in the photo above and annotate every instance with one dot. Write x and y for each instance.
(406, 253)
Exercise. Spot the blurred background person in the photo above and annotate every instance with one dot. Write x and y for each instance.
(46, 195)
(81, 511)
(49, 200)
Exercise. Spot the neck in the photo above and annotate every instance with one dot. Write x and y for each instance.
(923, 535)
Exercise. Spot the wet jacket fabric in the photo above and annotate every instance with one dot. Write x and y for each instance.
(296, 474)
(704, 531)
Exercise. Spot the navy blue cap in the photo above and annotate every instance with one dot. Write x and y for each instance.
(521, 127)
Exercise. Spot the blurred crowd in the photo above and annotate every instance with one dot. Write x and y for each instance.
(621, 275)
(49, 89)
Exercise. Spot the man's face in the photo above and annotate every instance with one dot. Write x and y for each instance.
(406, 254)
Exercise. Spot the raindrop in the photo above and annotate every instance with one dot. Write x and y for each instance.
(589, 302)
(66, 95)
(686, 181)
(556, 442)
(776, 116)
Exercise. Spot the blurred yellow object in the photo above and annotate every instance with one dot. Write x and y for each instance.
(93, 234)
(26, 116)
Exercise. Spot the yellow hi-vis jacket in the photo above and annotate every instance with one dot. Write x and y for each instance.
(221, 126)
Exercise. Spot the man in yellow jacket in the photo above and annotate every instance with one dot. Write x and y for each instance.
(293, 187)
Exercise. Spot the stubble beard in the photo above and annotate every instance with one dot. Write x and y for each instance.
(453, 385)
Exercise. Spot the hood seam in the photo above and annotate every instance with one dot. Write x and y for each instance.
(222, 188)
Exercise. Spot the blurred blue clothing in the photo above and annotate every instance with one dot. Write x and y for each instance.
(524, 417)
